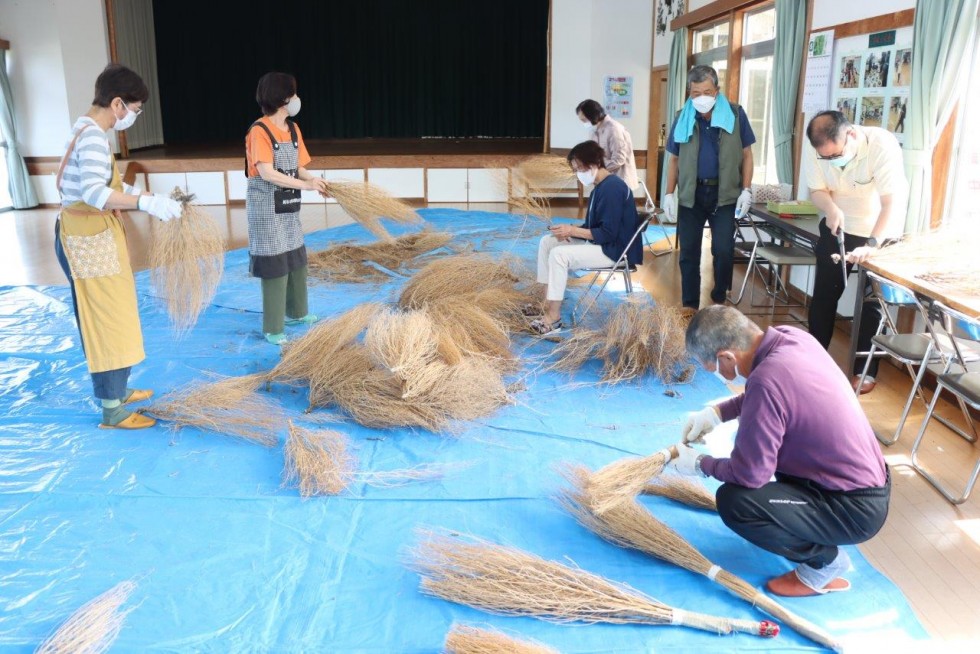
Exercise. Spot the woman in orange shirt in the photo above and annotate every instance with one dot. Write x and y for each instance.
(276, 157)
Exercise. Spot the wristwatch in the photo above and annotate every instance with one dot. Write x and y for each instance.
(872, 242)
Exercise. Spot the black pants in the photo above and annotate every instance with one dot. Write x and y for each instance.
(827, 290)
(690, 231)
(801, 521)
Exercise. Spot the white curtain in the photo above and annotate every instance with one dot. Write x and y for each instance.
(136, 47)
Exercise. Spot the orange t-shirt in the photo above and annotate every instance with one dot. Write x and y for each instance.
(258, 147)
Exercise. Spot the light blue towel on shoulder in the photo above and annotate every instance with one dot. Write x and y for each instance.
(721, 116)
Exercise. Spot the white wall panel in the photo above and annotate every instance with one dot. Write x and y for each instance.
(400, 182)
(208, 187)
(446, 185)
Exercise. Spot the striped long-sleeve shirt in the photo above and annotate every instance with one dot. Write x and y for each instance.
(88, 170)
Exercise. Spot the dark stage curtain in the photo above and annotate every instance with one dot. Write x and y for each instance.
(365, 68)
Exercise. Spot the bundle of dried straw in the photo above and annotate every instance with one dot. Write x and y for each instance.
(230, 406)
(681, 489)
(367, 204)
(943, 257)
(94, 627)
(186, 259)
(622, 480)
(547, 171)
(349, 262)
(635, 340)
(628, 524)
(509, 581)
(458, 275)
(464, 639)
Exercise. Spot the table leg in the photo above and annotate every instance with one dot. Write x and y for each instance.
(862, 280)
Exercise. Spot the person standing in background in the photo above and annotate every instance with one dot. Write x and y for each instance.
(614, 140)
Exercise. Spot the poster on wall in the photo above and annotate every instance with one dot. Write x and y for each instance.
(667, 10)
(618, 96)
(819, 58)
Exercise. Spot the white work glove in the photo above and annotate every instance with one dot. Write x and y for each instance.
(699, 423)
(743, 204)
(159, 205)
(670, 208)
(687, 461)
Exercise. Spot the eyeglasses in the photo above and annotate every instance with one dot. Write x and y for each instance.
(834, 156)
(137, 110)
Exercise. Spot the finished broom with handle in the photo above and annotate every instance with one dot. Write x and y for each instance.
(628, 524)
(509, 581)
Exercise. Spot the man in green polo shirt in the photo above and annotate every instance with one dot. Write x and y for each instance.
(708, 180)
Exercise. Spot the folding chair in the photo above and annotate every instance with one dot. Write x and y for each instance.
(622, 265)
(776, 256)
(650, 208)
(745, 252)
(908, 349)
(960, 375)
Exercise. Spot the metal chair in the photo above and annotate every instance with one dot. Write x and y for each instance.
(650, 208)
(745, 252)
(908, 349)
(621, 265)
(960, 375)
(776, 256)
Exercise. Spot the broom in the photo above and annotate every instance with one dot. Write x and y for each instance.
(622, 480)
(186, 259)
(94, 627)
(629, 525)
(464, 639)
(367, 204)
(509, 581)
(683, 490)
(547, 171)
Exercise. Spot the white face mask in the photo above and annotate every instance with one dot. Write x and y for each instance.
(738, 381)
(703, 103)
(587, 177)
(845, 157)
(586, 124)
(126, 121)
(293, 106)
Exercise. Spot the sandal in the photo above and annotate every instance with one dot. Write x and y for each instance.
(137, 395)
(532, 309)
(132, 421)
(542, 328)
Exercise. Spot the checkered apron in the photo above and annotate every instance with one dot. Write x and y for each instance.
(271, 234)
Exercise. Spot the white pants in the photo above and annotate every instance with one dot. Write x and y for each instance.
(556, 258)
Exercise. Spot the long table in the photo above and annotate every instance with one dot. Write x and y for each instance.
(803, 231)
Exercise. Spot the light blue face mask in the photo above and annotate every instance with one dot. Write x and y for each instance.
(842, 160)
(738, 381)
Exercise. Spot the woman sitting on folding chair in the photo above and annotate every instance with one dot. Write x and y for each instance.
(597, 243)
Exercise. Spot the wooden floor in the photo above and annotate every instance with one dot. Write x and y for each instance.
(928, 548)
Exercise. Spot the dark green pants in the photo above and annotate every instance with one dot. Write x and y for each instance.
(281, 297)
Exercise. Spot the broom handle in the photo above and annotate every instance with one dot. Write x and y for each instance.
(797, 623)
(721, 625)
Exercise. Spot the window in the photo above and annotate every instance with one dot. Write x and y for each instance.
(964, 205)
(755, 92)
(711, 49)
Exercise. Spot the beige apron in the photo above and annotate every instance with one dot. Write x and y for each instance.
(95, 245)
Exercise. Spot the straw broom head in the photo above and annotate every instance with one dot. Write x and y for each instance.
(464, 639)
(94, 627)
(367, 204)
(683, 490)
(230, 406)
(456, 275)
(509, 581)
(317, 462)
(547, 171)
(186, 261)
(622, 480)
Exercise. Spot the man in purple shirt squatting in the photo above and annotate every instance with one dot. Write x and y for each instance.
(800, 422)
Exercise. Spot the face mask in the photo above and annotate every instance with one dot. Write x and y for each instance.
(738, 381)
(587, 177)
(126, 121)
(586, 124)
(293, 106)
(703, 103)
(842, 160)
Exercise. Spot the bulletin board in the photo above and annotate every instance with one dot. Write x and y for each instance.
(870, 83)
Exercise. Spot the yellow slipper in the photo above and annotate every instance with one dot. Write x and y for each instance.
(133, 421)
(138, 395)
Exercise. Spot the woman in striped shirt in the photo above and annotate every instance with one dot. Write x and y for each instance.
(90, 242)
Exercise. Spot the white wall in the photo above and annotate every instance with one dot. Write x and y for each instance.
(57, 49)
(592, 39)
(834, 12)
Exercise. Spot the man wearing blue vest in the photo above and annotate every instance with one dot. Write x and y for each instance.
(708, 180)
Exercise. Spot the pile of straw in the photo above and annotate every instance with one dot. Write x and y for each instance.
(547, 171)
(367, 204)
(230, 406)
(186, 259)
(457, 276)
(93, 628)
(509, 581)
(350, 262)
(463, 639)
(943, 257)
(636, 340)
(628, 524)
(683, 490)
(320, 463)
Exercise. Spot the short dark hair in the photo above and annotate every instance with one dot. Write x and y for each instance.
(587, 153)
(718, 328)
(701, 74)
(117, 81)
(592, 110)
(827, 127)
(274, 90)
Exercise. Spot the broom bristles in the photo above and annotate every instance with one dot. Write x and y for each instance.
(622, 480)
(348, 262)
(509, 581)
(94, 627)
(317, 462)
(186, 260)
(683, 490)
(464, 639)
(367, 204)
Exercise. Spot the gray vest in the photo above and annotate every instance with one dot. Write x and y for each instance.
(729, 165)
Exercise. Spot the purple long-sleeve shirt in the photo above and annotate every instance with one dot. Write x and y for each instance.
(798, 416)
